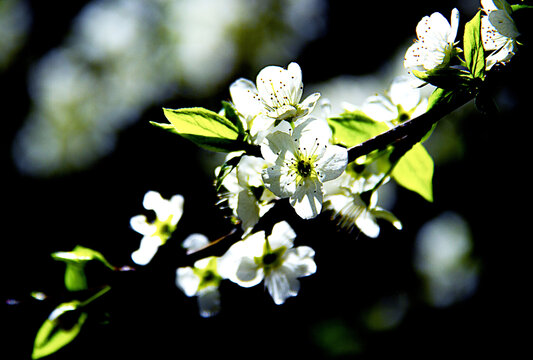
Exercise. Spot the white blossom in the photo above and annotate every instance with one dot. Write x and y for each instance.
(272, 259)
(435, 45)
(246, 194)
(402, 102)
(498, 32)
(276, 97)
(156, 233)
(344, 198)
(202, 279)
(302, 160)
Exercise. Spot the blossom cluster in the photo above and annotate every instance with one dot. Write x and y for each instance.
(284, 147)
(436, 45)
(301, 154)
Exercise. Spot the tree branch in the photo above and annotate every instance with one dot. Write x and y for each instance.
(410, 132)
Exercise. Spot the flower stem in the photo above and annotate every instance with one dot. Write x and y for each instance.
(96, 296)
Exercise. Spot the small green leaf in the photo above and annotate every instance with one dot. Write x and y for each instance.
(440, 96)
(353, 128)
(231, 115)
(81, 255)
(446, 78)
(75, 261)
(75, 279)
(61, 327)
(167, 127)
(473, 47)
(225, 169)
(414, 171)
(206, 129)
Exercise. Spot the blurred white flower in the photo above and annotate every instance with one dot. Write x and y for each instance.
(272, 259)
(443, 259)
(435, 44)
(401, 103)
(156, 233)
(498, 32)
(344, 197)
(302, 160)
(201, 280)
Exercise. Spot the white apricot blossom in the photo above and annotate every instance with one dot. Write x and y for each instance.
(202, 279)
(302, 160)
(245, 192)
(157, 232)
(276, 97)
(272, 259)
(401, 103)
(498, 32)
(435, 44)
(344, 197)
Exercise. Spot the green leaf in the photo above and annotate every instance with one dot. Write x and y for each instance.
(75, 279)
(440, 96)
(473, 47)
(446, 78)
(520, 7)
(75, 261)
(81, 255)
(225, 169)
(61, 327)
(167, 127)
(206, 129)
(414, 171)
(231, 115)
(353, 128)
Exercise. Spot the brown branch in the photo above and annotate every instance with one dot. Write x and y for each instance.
(410, 132)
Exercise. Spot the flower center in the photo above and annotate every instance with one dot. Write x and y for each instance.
(270, 259)
(304, 168)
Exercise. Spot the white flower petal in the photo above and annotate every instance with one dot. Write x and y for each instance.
(454, 25)
(248, 273)
(307, 199)
(276, 179)
(300, 261)
(209, 302)
(332, 163)
(261, 127)
(378, 212)
(175, 207)
(294, 78)
(140, 224)
(247, 209)
(367, 224)
(152, 200)
(311, 131)
(147, 250)
(276, 88)
(281, 284)
(277, 144)
(402, 93)
(379, 108)
(503, 23)
(249, 171)
(195, 241)
(282, 235)
(245, 98)
(252, 246)
(309, 103)
(187, 280)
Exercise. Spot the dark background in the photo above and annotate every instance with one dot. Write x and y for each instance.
(146, 316)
